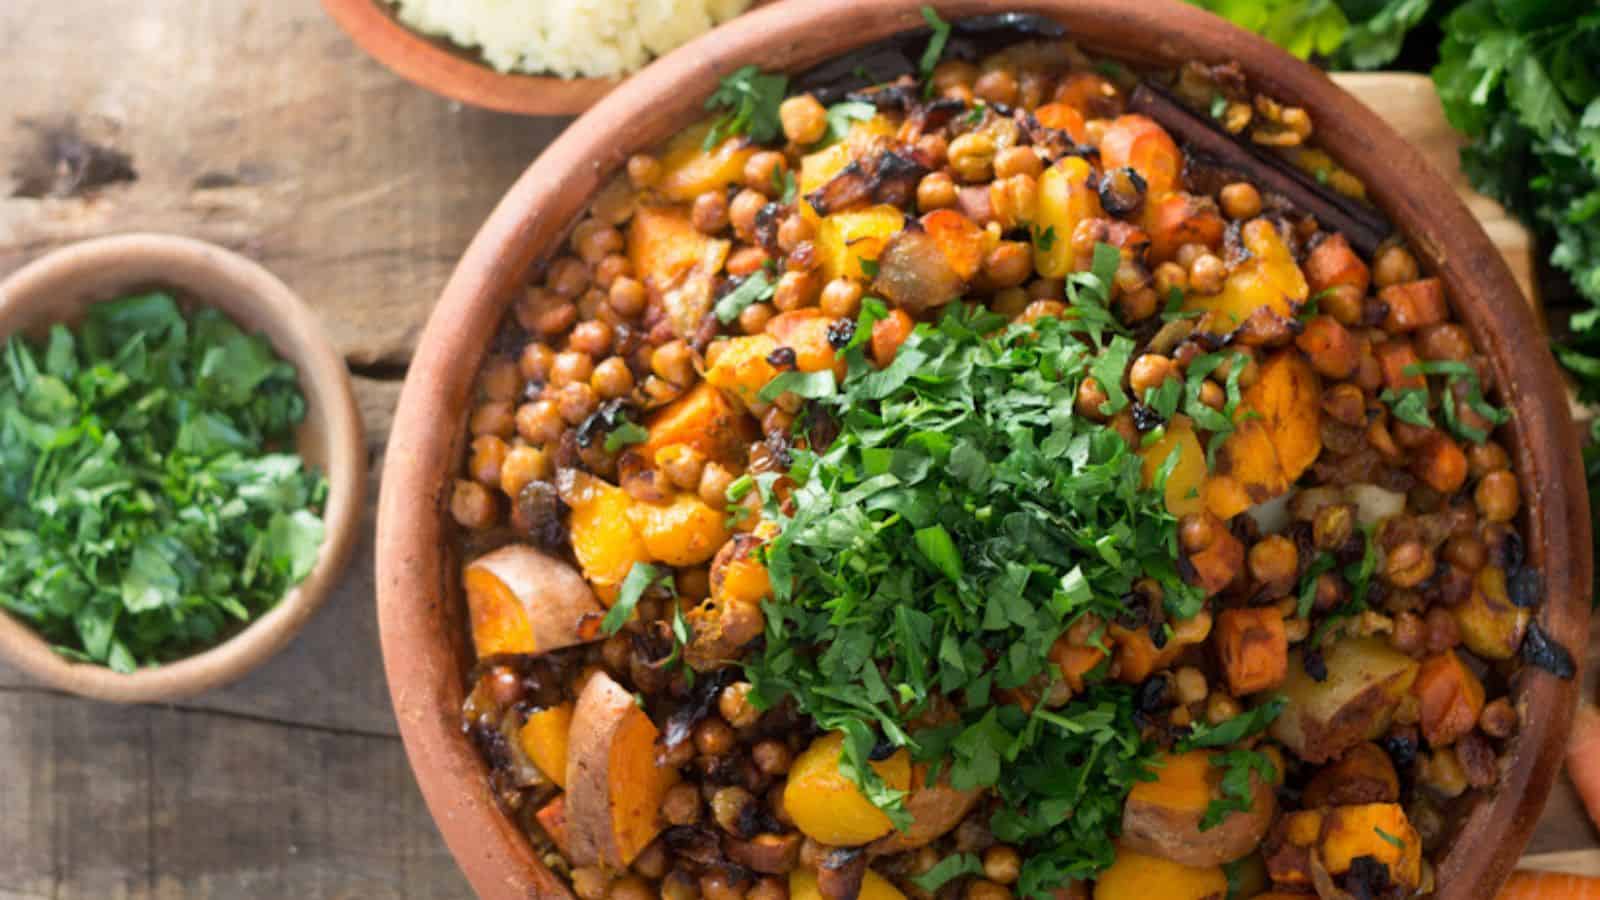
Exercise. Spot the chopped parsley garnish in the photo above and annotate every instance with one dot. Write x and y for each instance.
(1236, 729)
(1308, 583)
(1409, 405)
(963, 518)
(640, 579)
(749, 100)
(935, 49)
(755, 288)
(1387, 838)
(956, 865)
(1219, 105)
(1236, 791)
(1454, 372)
(783, 184)
(152, 501)
(868, 266)
(1045, 239)
(625, 433)
(840, 117)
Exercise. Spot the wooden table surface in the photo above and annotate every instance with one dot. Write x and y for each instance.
(256, 124)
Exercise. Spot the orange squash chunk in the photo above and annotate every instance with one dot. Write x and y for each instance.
(703, 419)
(1253, 647)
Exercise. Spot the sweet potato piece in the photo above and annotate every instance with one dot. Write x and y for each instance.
(1268, 278)
(1253, 647)
(743, 370)
(1414, 304)
(805, 331)
(914, 274)
(959, 239)
(1366, 679)
(703, 419)
(614, 784)
(1066, 197)
(603, 539)
(1379, 830)
(1181, 218)
(1139, 143)
(1138, 876)
(1162, 817)
(1288, 398)
(552, 817)
(687, 170)
(545, 736)
(1441, 464)
(1216, 565)
(1395, 357)
(1490, 624)
(1063, 117)
(803, 886)
(523, 602)
(935, 810)
(1183, 482)
(888, 334)
(828, 807)
(683, 532)
(1450, 698)
(1246, 472)
(1364, 774)
(1332, 263)
(845, 239)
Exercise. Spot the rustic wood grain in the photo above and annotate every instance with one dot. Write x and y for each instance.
(254, 123)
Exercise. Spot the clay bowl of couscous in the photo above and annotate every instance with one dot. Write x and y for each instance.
(572, 583)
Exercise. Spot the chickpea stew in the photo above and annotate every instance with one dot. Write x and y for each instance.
(1016, 476)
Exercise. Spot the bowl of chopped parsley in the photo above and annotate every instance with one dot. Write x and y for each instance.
(181, 467)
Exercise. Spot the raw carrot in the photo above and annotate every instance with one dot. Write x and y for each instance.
(1550, 886)
(1583, 758)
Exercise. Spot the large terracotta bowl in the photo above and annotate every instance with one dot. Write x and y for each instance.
(420, 607)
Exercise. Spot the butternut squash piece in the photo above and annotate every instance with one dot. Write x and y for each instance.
(1139, 876)
(682, 532)
(544, 738)
(603, 538)
(1332, 263)
(1139, 143)
(552, 817)
(1414, 304)
(663, 244)
(688, 170)
(1379, 830)
(1288, 398)
(614, 784)
(1246, 472)
(803, 886)
(743, 370)
(1162, 818)
(959, 239)
(805, 331)
(1253, 647)
(1366, 679)
(935, 809)
(521, 601)
(1450, 697)
(1066, 197)
(828, 807)
(1269, 278)
(1181, 218)
(1182, 490)
(1491, 625)
(845, 239)
(1364, 774)
(703, 419)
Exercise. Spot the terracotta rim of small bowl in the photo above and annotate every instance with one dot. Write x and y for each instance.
(419, 603)
(100, 269)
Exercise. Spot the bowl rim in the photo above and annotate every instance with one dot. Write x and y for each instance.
(326, 384)
(414, 577)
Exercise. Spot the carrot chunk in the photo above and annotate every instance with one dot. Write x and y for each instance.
(1414, 304)
(1253, 646)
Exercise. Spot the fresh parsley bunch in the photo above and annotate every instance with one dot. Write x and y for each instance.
(147, 507)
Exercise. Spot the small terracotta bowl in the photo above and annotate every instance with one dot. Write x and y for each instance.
(458, 73)
(419, 602)
(59, 287)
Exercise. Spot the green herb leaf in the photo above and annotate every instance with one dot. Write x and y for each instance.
(1236, 790)
(842, 115)
(640, 579)
(935, 49)
(755, 288)
(749, 99)
(625, 434)
(1389, 839)
(956, 865)
(1236, 729)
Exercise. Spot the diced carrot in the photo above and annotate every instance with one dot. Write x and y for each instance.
(1063, 117)
(1414, 304)
(1329, 346)
(1441, 463)
(1181, 218)
(1253, 646)
(888, 334)
(1333, 263)
(1395, 357)
(1450, 698)
(1139, 143)
(553, 819)
(1549, 886)
(959, 239)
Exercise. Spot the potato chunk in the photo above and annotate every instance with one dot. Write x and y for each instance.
(1066, 197)
(1366, 679)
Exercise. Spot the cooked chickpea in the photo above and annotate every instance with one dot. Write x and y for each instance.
(1001, 864)
(1274, 560)
(673, 361)
(1009, 264)
(1206, 274)
(576, 402)
(1220, 708)
(714, 481)
(735, 706)
(571, 367)
(1485, 458)
(953, 73)
(1170, 275)
(628, 297)
(983, 889)
(1191, 685)
(1017, 161)
(1466, 552)
(612, 378)
(500, 380)
(472, 505)
(1014, 201)
(753, 319)
(1332, 526)
(713, 737)
(728, 806)
(682, 464)
(936, 190)
(592, 337)
(590, 883)
(681, 805)
(1240, 200)
(996, 86)
(633, 887)
(747, 204)
(1197, 531)
(488, 455)
(644, 170)
(609, 269)
(769, 888)
(796, 290)
(804, 119)
(763, 169)
(1496, 496)
(1212, 395)
(1499, 719)
(495, 417)
(597, 242)
(795, 230)
(841, 298)
(1149, 372)
(539, 422)
(568, 277)
(1446, 340)
(535, 362)
(1394, 265)
(709, 214)
(522, 466)
(972, 157)
(772, 757)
